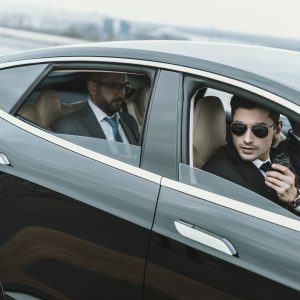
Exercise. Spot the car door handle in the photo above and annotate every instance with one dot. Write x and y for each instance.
(204, 237)
(4, 160)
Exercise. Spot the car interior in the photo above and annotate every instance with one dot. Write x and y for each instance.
(64, 92)
(210, 120)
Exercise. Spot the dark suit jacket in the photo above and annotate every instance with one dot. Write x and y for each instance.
(291, 146)
(83, 122)
(227, 163)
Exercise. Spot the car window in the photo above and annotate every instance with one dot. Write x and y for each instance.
(102, 110)
(209, 136)
(15, 82)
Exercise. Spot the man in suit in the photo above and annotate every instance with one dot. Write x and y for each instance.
(254, 128)
(100, 117)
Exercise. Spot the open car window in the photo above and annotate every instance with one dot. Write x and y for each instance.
(208, 127)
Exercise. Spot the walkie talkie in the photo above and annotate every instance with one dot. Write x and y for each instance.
(282, 159)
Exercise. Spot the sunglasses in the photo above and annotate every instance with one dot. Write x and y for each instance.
(259, 130)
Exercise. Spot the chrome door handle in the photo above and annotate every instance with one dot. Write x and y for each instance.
(199, 235)
(4, 160)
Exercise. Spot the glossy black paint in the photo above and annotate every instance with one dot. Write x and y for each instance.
(178, 271)
(55, 247)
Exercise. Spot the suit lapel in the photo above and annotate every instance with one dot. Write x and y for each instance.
(252, 177)
(91, 123)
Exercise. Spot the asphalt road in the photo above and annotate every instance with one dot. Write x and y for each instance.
(11, 44)
(12, 40)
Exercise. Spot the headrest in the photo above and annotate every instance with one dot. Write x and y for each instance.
(49, 108)
(29, 112)
(209, 128)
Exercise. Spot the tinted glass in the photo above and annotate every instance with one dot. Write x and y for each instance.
(101, 110)
(14, 82)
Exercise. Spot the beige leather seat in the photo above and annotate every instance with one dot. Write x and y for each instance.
(29, 112)
(47, 109)
(137, 106)
(209, 129)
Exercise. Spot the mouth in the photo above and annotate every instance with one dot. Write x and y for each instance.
(247, 149)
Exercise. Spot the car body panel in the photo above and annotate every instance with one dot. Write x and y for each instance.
(260, 246)
(72, 212)
(160, 151)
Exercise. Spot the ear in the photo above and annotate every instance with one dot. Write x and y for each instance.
(278, 127)
(92, 88)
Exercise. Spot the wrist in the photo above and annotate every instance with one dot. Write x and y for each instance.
(296, 202)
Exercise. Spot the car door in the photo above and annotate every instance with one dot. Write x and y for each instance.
(213, 239)
(75, 224)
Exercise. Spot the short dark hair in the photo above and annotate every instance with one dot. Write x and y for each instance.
(239, 102)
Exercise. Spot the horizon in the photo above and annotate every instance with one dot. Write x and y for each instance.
(233, 15)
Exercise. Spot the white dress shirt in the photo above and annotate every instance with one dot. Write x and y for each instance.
(258, 163)
(107, 129)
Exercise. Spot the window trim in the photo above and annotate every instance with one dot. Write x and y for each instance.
(169, 183)
(235, 205)
(221, 78)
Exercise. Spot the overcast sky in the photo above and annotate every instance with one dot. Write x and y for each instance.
(272, 17)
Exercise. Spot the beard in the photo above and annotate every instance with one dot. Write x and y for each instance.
(110, 107)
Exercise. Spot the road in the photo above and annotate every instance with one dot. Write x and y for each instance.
(11, 44)
(16, 40)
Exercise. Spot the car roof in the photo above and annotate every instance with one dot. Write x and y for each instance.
(234, 60)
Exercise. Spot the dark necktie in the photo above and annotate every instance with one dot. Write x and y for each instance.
(267, 166)
(114, 125)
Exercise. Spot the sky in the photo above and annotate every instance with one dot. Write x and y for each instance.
(271, 17)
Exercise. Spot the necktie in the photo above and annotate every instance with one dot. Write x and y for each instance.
(114, 125)
(266, 167)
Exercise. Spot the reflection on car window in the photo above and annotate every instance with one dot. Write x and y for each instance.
(124, 152)
(15, 81)
(107, 105)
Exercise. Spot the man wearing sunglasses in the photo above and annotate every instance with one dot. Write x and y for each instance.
(246, 160)
(100, 117)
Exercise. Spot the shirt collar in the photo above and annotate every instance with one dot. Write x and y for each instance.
(99, 113)
(258, 163)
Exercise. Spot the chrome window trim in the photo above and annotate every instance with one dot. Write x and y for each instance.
(197, 192)
(234, 82)
(232, 204)
(81, 150)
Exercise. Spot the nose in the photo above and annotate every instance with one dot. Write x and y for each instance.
(248, 136)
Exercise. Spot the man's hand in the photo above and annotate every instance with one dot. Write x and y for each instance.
(283, 182)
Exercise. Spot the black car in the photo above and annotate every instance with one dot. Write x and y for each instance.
(87, 218)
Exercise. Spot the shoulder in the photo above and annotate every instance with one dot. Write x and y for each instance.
(68, 122)
(223, 162)
(217, 158)
(129, 120)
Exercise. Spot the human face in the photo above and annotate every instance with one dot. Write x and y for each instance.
(108, 92)
(248, 145)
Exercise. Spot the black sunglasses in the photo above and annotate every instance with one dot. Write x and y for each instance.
(259, 130)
